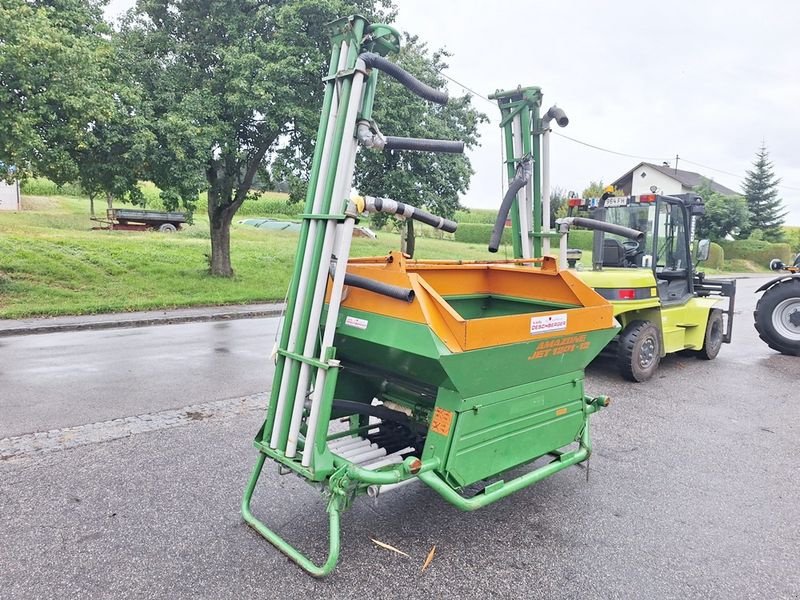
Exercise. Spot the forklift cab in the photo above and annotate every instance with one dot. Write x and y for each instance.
(667, 224)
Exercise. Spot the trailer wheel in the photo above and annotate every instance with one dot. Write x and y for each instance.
(713, 339)
(168, 228)
(638, 351)
(777, 317)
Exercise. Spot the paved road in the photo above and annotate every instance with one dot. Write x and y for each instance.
(693, 493)
(58, 380)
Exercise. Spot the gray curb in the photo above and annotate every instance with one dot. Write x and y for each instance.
(34, 326)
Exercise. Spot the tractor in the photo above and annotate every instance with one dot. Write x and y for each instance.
(777, 314)
(641, 259)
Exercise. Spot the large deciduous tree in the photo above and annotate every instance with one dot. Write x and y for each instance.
(761, 191)
(66, 110)
(53, 60)
(724, 215)
(224, 81)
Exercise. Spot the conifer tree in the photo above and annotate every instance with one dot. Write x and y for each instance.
(763, 203)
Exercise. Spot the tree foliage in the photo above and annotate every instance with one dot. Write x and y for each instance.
(225, 81)
(725, 215)
(764, 205)
(67, 111)
(425, 180)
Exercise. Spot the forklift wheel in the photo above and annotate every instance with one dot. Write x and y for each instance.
(638, 351)
(713, 340)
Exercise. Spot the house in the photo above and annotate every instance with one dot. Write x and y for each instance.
(644, 177)
(9, 196)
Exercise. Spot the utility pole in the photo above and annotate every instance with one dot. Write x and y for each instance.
(676, 163)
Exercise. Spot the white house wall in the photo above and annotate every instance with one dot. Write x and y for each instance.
(644, 177)
(9, 196)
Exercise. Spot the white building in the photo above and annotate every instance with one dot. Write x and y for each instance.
(9, 196)
(644, 177)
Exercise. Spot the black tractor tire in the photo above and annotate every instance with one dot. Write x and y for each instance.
(777, 317)
(713, 338)
(639, 351)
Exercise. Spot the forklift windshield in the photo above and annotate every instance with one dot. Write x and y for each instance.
(640, 217)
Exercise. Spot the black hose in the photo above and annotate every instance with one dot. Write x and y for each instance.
(384, 289)
(612, 228)
(519, 182)
(423, 145)
(372, 60)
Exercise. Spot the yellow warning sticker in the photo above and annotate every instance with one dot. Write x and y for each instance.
(442, 420)
(561, 411)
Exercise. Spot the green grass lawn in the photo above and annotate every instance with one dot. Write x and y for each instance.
(53, 263)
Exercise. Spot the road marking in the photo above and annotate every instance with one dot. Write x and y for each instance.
(106, 431)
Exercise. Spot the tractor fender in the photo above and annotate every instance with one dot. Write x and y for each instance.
(777, 280)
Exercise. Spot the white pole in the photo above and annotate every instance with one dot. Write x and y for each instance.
(523, 208)
(341, 189)
(546, 225)
(325, 171)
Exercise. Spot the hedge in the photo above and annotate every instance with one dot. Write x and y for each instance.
(716, 257)
(758, 251)
(479, 233)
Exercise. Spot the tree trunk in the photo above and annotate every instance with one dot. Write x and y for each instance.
(91, 205)
(219, 219)
(110, 201)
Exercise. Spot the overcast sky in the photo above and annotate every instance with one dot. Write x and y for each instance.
(706, 80)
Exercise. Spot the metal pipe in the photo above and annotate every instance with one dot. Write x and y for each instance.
(374, 491)
(342, 181)
(568, 459)
(524, 208)
(294, 320)
(561, 118)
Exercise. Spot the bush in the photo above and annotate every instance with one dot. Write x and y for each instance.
(476, 215)
(757, 251)
(40, 186)
(580, 239)
(716, 257)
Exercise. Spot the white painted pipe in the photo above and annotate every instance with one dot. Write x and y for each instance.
(340, 191)
(344, 442)
(546, 225)
(325, 172)
(368, 456)
(562, 251)
(523, 208)
(392, 459)
(374, 491)
(344, 240)
(355, 449)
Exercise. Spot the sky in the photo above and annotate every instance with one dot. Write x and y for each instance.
(706, 80)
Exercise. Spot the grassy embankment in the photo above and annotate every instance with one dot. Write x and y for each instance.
(53, 263)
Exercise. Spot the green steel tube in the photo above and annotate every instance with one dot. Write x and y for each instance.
(400, 473)
(435, 482)
(301, 244)
(511, 159)
(537, 178)
(338, 134)
(334, 511)
(369, 95)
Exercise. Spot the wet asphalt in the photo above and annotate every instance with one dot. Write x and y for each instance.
(692, 490)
